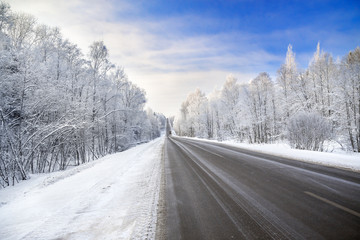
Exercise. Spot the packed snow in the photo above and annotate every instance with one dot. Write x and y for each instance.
(114, 197)
(338, 159)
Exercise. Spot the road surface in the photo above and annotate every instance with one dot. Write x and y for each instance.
(214, 191)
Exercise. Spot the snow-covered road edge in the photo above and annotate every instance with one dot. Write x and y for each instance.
(347, 160)
(115, 197)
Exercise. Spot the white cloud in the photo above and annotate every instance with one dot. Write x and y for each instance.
(156, 55)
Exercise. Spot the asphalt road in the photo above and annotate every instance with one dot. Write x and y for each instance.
(214, 191)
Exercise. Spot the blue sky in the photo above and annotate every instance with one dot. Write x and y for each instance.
(169, 48)
(271, 25)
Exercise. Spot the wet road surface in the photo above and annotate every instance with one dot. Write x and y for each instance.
(214, 191)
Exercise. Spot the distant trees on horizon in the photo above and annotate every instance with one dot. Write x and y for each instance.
(59, 108)
(291, 107)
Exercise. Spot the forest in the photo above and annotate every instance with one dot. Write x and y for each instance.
(59, 107)
(305, 107)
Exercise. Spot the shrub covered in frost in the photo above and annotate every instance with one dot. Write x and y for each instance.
(308, 131)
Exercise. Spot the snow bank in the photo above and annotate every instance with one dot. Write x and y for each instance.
(344, 160)
(112, 198)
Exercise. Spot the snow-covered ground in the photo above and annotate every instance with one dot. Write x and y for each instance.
(339, 159)
(114, 197)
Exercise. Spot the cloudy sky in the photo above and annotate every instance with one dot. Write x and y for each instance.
(170, 47)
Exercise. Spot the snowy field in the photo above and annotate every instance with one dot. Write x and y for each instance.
(338, 159)
(112, 198)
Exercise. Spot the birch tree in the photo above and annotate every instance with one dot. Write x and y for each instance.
(287, 78)
(58, 108)
(262, 108)
(350, 96)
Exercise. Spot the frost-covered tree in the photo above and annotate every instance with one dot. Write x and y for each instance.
(286, 80)
(308, 131)
(193, 119)
(58, 108)
(6, 17)
(262, 108)
(229, 105)
(327, 92)
(349, 93)
(322, 73)
(216, 127)
(21, 30)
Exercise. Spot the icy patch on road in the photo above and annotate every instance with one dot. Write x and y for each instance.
(339, 159)
(115, 197)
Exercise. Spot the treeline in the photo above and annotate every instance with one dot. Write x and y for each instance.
(58, 108)
(307, 107)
